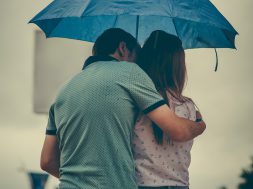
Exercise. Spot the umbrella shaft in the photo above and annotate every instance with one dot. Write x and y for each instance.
(137, 27)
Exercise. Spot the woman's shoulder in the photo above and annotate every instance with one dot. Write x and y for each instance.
(189, 100)
(190, 103)
(183, 100)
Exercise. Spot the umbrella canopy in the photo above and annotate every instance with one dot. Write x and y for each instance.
(196, 22)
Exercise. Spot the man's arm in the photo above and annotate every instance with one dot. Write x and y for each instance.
(179, 129)
(50, 156)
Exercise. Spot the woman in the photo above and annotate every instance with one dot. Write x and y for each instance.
(160, 162)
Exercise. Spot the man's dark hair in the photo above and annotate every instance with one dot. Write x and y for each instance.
(109, 41)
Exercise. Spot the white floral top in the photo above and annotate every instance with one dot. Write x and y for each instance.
(166, 164)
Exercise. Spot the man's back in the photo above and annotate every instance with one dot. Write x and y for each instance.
(94, 116)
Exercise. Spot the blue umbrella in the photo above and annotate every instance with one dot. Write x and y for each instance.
(196, 22)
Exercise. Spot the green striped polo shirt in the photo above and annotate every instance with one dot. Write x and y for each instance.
(93, 117)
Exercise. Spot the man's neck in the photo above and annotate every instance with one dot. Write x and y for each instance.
(116, 56)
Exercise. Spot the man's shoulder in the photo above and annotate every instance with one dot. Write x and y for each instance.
(131, 66)
(120, 67)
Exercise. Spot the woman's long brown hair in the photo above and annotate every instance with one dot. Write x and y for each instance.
(162, 58)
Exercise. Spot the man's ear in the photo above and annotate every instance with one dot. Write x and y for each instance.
(122, 49)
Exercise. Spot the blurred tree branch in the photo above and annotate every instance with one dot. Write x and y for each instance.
(247, 176)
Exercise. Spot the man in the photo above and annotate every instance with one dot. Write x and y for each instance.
(90, 124)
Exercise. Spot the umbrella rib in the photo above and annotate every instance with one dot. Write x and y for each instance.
(175, 28)
(137, 27)
(116, 19)
(205, 23)
(55, 26)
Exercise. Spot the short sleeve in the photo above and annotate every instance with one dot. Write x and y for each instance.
(192, 110)
(51, 127)
(143, 91)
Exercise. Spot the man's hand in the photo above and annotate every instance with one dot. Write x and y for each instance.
(198, 116)
(200, 120)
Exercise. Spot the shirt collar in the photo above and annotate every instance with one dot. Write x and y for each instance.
(93, 59)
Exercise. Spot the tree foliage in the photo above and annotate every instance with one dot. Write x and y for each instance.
(247, 176)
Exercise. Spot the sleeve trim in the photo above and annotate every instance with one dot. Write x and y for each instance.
(51, 132)
(198, 120)
(154, 106)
